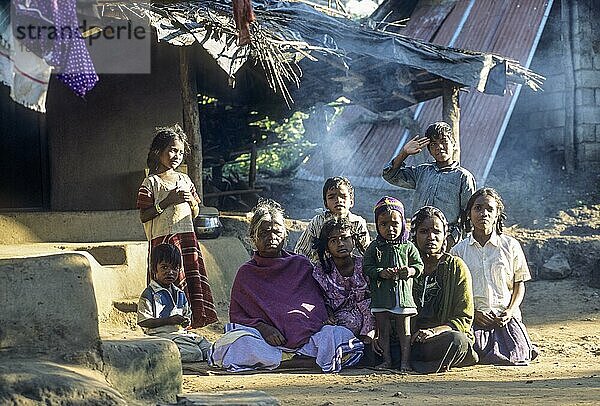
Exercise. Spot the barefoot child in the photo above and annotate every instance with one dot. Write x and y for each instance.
(338, 197)
(391, 261)
(168, 203)
(443, 184)
(340, 275)
(163, 309)
(499, 272)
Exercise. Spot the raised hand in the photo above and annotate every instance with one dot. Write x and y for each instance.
(415, 145)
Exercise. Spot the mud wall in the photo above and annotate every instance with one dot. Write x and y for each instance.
(98, 145)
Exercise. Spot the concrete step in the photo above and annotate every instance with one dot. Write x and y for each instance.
(128, 305)
(59, 304)
(93, 226)
(50, 304)
(238, 398)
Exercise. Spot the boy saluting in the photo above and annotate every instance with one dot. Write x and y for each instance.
(443, 184)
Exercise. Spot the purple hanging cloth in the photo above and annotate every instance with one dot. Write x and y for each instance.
(50, 29)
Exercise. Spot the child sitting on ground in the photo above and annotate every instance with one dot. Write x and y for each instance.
(443, 184)
(340, 275)
(338, 197)
(163, 309)
(499, 270)
(390, 262)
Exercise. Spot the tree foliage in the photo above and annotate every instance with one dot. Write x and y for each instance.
(281, 147)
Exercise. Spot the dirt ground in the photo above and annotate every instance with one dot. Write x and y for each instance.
(563, 320)
(549, 211)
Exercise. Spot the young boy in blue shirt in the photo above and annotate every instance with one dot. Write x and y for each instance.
(443, 184)
(163, 309)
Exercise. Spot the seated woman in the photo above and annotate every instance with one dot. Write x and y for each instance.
(442, 337)
(340, 275)
(276, 306)
(499, 271)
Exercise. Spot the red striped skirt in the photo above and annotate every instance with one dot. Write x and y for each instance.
(192, 278)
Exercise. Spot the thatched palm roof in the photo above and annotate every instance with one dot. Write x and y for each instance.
(307, 56)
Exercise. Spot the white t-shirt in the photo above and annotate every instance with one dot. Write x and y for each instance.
(175, 218)
(495, 268)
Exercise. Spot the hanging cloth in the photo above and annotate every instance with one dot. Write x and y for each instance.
(26, 74)
(243, 14)
(56, 38)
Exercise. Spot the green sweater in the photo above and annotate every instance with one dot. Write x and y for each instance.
(382, 254)
(453, 303)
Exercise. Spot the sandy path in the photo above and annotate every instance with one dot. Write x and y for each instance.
(563, 318)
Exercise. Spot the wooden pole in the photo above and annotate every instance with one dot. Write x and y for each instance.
(569, 95)
(451, 114)
(191, 116)
(252, 172)
(326, 141)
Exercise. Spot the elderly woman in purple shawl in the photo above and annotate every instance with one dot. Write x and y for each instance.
(276, 306)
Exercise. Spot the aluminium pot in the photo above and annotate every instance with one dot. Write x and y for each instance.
(207, 225)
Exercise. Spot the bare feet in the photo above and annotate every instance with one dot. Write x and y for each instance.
(384, 365)
(406, 368)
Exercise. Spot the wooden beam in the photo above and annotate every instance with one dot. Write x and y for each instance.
(232, 192)
(191, 116)
(451, 113)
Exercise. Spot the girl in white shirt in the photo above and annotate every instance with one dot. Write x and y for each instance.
(499, 271)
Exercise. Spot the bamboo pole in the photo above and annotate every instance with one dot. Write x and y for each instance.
(191, 116)
(451, 114)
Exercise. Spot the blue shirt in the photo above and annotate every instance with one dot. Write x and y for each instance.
(448, 188)
(157, 302)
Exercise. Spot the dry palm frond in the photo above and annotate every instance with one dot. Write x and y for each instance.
(286, 32)
(275, 46)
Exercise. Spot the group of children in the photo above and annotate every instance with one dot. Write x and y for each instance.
(378, 273)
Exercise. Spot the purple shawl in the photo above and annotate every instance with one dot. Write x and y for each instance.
(280, 292)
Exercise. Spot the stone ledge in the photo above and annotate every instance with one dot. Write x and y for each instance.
(147, 368)
(49, 304)
(26, 382)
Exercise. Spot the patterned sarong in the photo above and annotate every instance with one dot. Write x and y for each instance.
(192, 278)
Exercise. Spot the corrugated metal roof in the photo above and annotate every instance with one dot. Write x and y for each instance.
(509, 28)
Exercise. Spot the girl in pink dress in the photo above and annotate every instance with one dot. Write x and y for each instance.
(340, 275)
